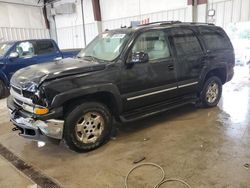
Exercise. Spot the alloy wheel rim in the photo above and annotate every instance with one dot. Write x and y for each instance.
(212, 92)
(89, 127)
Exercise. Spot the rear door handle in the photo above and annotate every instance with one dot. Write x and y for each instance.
(57, 58)
(170, 67)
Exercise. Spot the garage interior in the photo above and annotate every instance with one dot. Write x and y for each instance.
(204, 147)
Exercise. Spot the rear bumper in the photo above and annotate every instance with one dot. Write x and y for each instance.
(33, 128)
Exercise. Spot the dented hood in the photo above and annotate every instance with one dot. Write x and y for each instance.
(38, 73)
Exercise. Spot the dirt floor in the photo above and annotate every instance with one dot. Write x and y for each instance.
(205, 147)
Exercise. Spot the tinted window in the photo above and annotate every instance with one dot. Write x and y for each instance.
(185, 42)
(154, 43)
(214, 39)
(44, 47)
(25, 49)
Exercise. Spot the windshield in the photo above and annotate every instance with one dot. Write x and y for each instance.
(4, 47)
(106, 46)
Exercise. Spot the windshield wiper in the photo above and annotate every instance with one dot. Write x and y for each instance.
(94, 59)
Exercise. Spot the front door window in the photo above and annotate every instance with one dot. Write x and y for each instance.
(154, 44)
(25, 50)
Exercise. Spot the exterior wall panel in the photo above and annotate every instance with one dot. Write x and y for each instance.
(230, 11)
(245, 10)
(70, 26)
(23, 20)
(120, 13)
(72, 36)
(10, 33)
(168, 15)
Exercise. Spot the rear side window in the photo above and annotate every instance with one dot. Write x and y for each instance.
(185, 41)
(215, 39)
(44, 47)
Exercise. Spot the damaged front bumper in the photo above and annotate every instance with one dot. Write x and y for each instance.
(35, 129)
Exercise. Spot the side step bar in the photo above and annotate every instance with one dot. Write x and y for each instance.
(154, 109)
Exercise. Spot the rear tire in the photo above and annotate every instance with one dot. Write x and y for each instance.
(211, 92)
(87, 126)
(2, 89)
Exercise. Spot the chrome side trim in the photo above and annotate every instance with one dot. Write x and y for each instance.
(20, 97)
(161, 91)
(190, 84)
(152, 93)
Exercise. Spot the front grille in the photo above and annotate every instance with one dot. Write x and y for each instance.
(18, 102)
(17, 90)
(27, 94)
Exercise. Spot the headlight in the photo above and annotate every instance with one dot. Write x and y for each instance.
(38, 110)
(30, 86)
(28, 108)
(35, 97)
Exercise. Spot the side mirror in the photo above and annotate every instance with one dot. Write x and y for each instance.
(139, 57)
(13, 55)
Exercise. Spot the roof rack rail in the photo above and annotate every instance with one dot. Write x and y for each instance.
(171, 22)
(174, 22)
(201, 23)
(161, 23)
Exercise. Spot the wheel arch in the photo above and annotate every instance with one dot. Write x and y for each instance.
(108, 95)
(103, 97)
(220, 72)
(5, 82)
(4, 78)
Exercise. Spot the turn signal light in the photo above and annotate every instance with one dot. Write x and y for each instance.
(41, 110)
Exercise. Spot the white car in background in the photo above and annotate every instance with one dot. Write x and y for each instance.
(242, 52)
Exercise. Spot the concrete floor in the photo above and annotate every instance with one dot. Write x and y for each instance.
(204, 147)
(10, 177)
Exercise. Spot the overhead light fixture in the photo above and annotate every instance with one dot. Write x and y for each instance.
(211, 12)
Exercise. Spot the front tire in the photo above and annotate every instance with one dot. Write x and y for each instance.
(87, 127)
(2, 89)
(211, 92)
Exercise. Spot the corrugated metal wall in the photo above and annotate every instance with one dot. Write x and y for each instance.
(176, 14)
(72, 36)
(22, 19)
(10, 33)
(230, 11)
(69, 27)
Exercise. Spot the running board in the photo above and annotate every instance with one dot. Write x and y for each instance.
(153, 109)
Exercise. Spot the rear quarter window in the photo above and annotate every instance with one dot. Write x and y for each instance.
(215, 39)
(44, 47)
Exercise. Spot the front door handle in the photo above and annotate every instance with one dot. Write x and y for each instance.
(170, 67)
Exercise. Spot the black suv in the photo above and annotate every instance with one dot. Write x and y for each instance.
(123, 74)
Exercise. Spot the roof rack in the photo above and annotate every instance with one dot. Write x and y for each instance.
(174, 22)
(200, 23)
